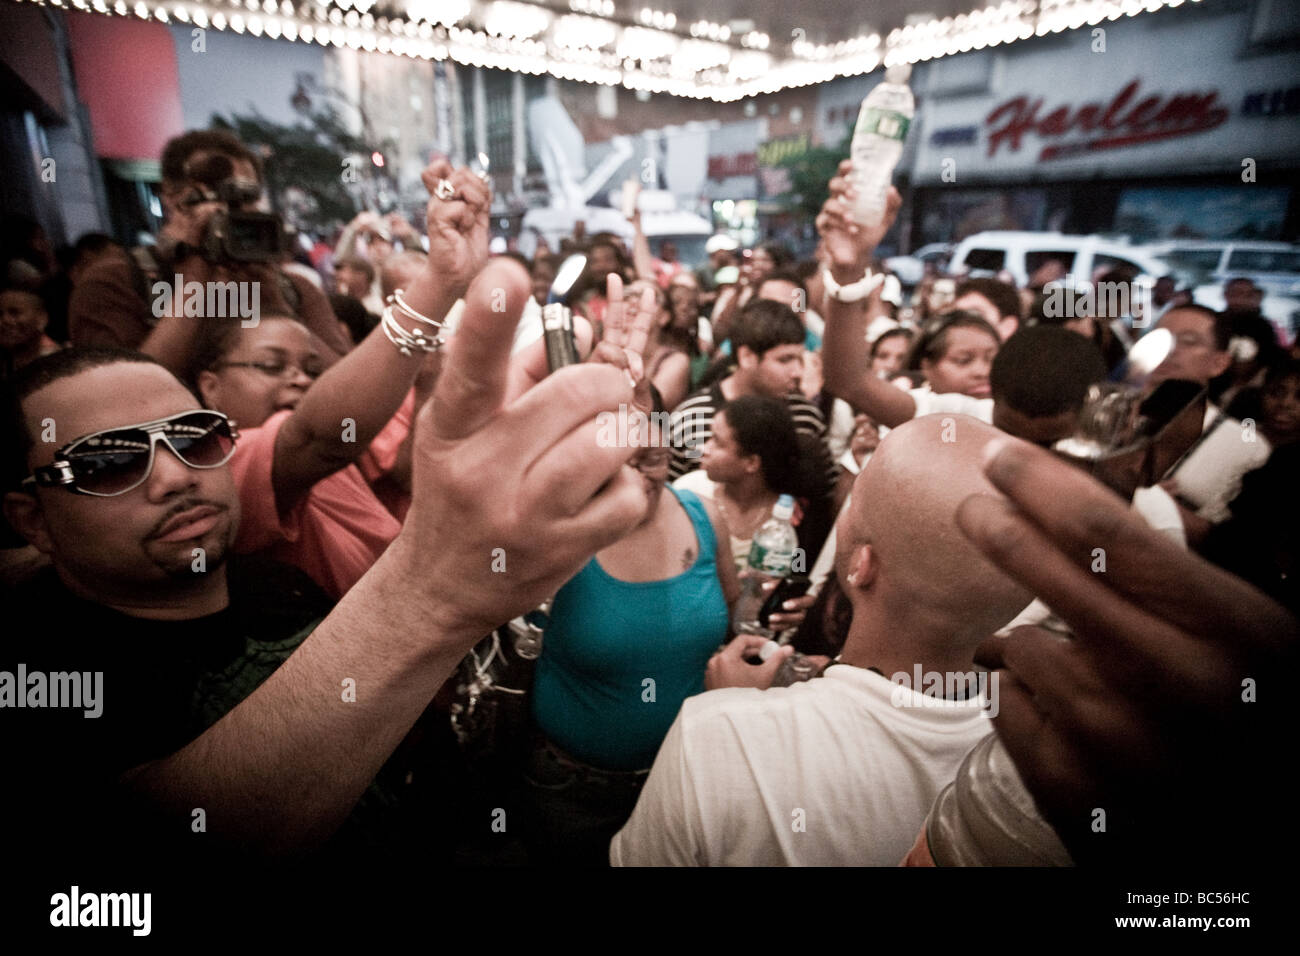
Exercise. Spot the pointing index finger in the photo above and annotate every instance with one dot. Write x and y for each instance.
(472, 385)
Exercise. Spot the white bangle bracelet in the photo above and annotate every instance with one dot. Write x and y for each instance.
(853, 291)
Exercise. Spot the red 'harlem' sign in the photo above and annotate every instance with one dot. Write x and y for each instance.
(1121, 122)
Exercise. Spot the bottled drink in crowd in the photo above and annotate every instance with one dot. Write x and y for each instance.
(878, 143)
(770, 557)
(986, 817)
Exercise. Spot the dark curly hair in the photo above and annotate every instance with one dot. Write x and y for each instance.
(764, 427)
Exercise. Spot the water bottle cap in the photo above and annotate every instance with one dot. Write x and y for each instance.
(784, 507)
(899, 74)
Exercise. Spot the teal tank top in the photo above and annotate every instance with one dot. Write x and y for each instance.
(607, 640)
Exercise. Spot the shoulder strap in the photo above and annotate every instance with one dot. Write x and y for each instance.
(699, 516)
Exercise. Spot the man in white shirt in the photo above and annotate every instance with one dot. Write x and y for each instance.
(842, 770)
(1209, 476)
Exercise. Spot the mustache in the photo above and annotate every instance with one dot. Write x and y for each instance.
(184, 505)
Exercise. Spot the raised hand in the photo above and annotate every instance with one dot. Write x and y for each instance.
(848, 244)
(623, 346)
(1134, 715)
(400, 228)
(457, 225)
(627, 332)
(522, 483)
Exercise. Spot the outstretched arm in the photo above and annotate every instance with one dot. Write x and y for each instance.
(368, 385)
(281, 771)
(642, 259)
(845, 363)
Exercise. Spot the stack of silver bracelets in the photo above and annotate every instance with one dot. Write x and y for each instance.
(427, 335)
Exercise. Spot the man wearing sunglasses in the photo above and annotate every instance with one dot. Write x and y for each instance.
(80, 492)
(284, 770)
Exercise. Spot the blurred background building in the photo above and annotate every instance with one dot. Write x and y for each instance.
(1167, 120)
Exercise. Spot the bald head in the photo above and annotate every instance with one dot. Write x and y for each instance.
(400, 270)
(900, 539)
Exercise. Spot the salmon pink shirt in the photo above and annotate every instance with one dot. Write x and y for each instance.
(334, 534)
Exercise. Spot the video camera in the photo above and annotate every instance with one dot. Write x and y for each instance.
(236, 234)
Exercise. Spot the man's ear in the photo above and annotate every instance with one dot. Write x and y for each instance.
(862, 568)
(26, 516)
(1008, 327)
(745, 357)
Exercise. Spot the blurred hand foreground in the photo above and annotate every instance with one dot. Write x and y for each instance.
(1155, 735)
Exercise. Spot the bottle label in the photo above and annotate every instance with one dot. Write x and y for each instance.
(886, 123)
(770, 561)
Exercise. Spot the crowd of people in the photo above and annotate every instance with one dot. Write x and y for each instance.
(274, 536)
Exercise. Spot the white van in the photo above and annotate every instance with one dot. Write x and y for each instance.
(1273, 266)
(1024, 253)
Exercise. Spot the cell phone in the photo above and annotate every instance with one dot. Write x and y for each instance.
(791, 586)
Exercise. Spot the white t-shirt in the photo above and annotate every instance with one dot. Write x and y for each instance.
(951, 403)
(839, 428)
(1210, 477)
(824, 773)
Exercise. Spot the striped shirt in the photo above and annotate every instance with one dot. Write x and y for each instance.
(692, 426)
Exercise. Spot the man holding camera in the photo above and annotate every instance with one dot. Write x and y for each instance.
(213, 234)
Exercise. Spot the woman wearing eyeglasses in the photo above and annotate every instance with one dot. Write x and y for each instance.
(628, 640)
(303, 499)
(302, 428)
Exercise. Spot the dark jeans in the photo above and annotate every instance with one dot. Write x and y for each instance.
(575, 809)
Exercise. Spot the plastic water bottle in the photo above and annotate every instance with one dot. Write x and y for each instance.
(770, 555)
(987, 817)
(883, 121)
